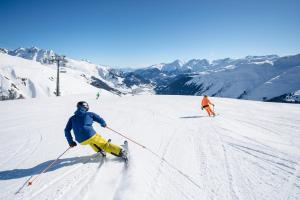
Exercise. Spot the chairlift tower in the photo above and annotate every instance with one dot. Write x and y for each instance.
(59, 60)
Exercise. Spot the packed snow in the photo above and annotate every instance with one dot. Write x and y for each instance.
(250, 150)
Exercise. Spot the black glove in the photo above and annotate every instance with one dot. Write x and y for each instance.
(103, 125)
(73, 144)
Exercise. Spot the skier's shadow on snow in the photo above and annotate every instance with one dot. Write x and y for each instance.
(20, 173)
(191, 117)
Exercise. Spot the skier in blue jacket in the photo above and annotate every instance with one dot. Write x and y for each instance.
(81, 123)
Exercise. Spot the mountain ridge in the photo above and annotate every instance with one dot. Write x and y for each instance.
(264, 78)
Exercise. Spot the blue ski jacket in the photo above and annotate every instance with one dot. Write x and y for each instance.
(81, 123)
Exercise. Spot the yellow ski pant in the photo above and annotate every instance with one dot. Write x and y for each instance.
(97, 141)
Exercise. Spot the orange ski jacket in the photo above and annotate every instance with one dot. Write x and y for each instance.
(205, 102)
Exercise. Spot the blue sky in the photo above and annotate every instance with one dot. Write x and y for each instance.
(138, 33)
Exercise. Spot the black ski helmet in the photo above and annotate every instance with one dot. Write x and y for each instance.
(83, 104)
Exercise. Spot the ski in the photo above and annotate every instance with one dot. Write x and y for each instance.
(125, 152)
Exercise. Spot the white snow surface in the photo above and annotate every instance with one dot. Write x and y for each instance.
(33, 79)
(251, 150)
(81, 69)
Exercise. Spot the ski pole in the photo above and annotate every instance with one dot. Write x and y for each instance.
(34, 178)
(126, 137)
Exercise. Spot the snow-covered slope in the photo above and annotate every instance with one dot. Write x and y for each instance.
(97, 75)
(22, 78)
(251, 150)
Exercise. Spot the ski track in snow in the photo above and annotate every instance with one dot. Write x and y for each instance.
(68, 180)
(247, 152)
(276, 162)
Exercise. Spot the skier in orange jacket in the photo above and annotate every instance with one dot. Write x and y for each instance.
(205, 104)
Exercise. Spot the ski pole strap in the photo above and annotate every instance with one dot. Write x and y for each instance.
(43, 171)
(126, 137)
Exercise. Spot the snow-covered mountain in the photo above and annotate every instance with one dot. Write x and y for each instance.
(172, 67)
(175, 67)
(30, 72)
(33, 53)
(195, 65)
(267, 78)
(105, 74)
(21, 78)
(4, 51)
(256, 79)
(46, 57)
(251, 150)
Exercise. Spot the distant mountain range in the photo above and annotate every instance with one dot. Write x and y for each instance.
(33, 53)
(266, 78)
